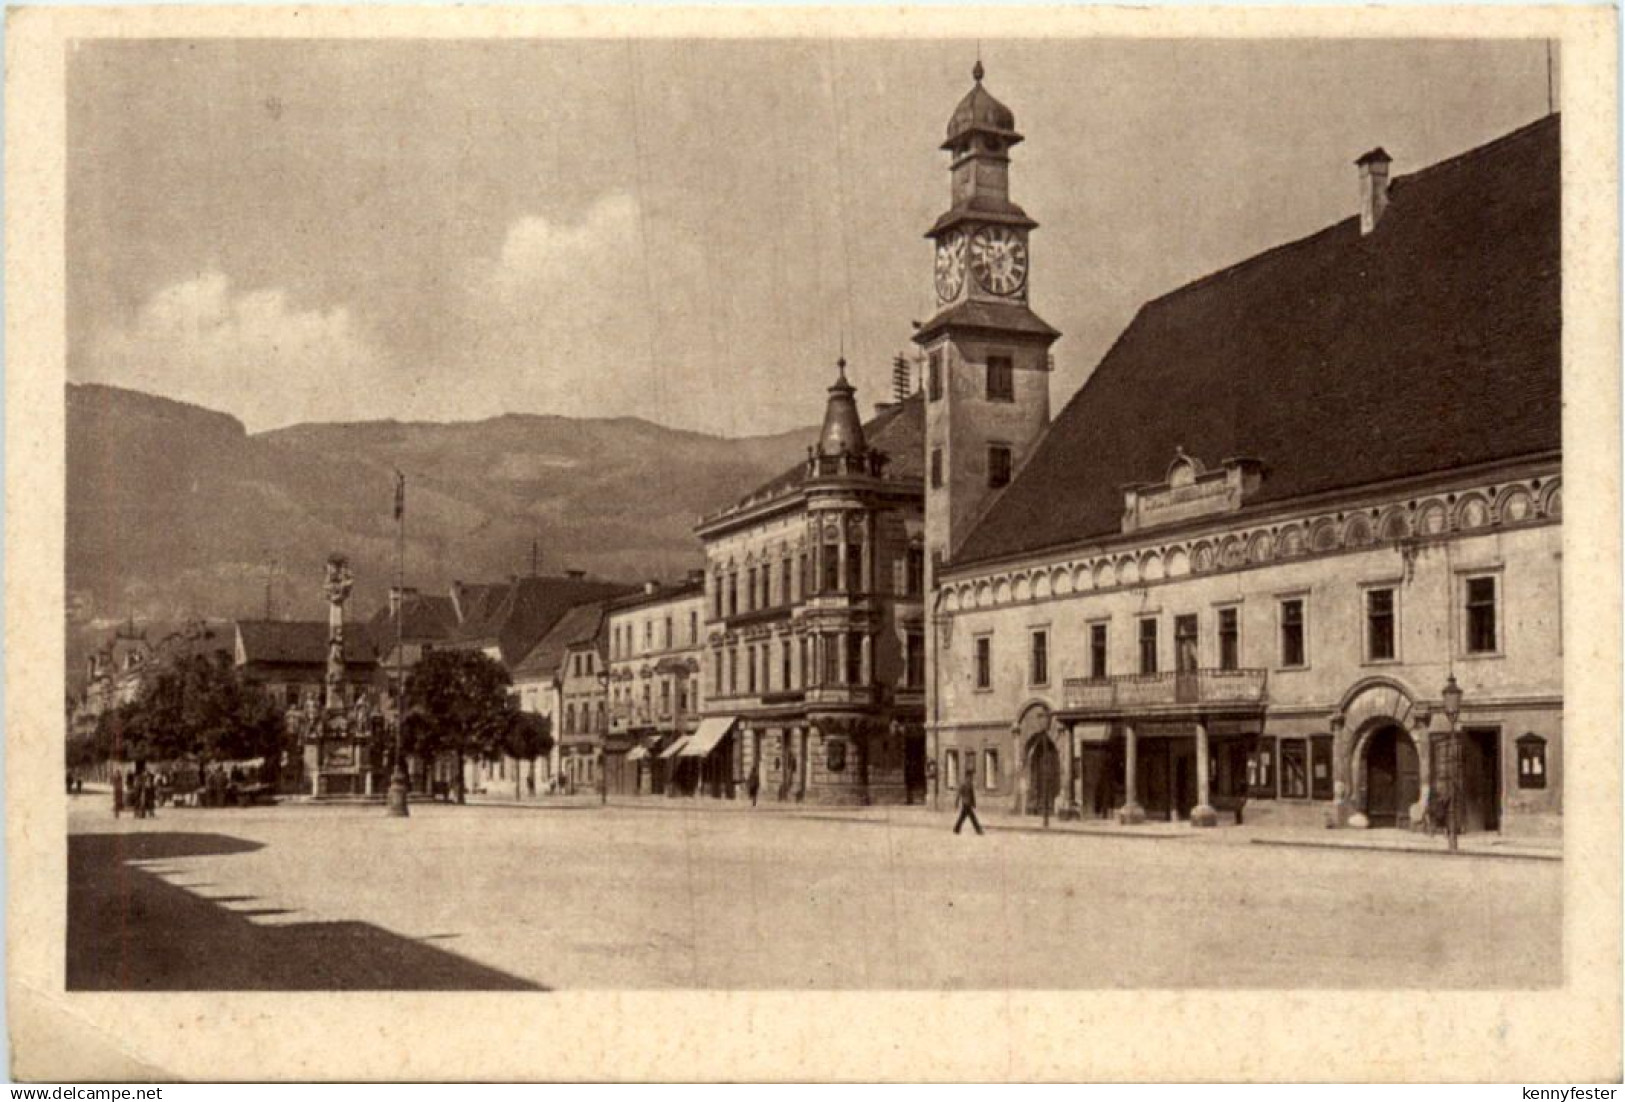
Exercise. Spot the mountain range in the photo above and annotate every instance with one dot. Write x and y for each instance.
(175, 511)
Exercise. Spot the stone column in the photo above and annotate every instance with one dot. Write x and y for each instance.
(866, 659)
(1070, 807)
(1131, 811)
(1203, 815)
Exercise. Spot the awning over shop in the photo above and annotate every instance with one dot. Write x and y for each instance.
(637, 753)
(675, 748)
(712, 731)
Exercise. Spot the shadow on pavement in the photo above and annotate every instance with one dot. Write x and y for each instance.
(129, 930)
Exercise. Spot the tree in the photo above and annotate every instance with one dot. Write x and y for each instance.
(528, 736)
(457, 703)
(198, 707)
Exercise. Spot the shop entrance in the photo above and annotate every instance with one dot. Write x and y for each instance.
(1043, 774)
(914, 767)
(1392, 777)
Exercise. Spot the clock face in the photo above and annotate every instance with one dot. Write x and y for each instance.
(998, 258)
(950, 265)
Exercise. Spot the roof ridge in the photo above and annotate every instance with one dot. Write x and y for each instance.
(1453, 161)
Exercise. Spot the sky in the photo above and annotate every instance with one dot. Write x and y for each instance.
(685, 231)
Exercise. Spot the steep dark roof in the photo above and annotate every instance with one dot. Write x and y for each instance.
(1339, 360)
(426, 616)
(301, 642)
(513, 617)
(581, 624)
(897, 430)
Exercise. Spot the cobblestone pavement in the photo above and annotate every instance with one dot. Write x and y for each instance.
(571, 895)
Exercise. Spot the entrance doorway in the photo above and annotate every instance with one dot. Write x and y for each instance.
(1480, 776)
(1392, 781)
(1043, 774)
(914, 768)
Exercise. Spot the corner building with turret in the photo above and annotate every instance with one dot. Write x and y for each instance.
(814, 656)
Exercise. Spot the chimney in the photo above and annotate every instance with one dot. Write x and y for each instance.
(1373, 188)
(696, 575)
(652, 585)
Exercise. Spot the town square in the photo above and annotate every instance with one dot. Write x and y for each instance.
(948, 662)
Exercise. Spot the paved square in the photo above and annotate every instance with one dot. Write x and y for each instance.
(309, 897)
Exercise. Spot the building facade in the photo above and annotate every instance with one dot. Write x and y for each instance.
(1296, 502)
(814, 660)
(656, 639)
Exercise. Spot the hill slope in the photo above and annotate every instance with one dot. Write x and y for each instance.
(176, 511)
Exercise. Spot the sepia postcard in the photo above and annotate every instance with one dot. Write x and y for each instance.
(935, 544)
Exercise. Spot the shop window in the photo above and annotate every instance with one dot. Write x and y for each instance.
(1261, 770)
(1294, 769)
(1482, 634)
(1379, 625)
(1531, 761)
(990, 769)
(835, 755)
(1320, 767)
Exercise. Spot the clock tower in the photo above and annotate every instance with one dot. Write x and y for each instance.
(987, 353)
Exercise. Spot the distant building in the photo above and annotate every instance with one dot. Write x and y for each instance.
(814, 661)
(1294, 501)
(505, 620)
(656, 644)
(117, 671)
(558, 679)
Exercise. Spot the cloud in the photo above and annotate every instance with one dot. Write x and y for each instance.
(249, 352)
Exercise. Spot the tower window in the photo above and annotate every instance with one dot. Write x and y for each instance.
(936, 468)
(998, 466)
(934, 371)
(1001, 381)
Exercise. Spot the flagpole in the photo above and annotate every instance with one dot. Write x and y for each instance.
(398, 781)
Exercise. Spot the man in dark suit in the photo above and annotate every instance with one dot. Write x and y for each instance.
(967, 801)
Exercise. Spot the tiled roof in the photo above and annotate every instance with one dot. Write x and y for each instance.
(1339, 360)
(581, 624)
(427, 616)
(669, 591)
(515, 616)
(897, 430)
(301, 642)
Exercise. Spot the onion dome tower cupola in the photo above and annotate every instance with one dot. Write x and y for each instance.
(843, 428)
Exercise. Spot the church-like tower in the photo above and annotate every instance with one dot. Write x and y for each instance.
(987, 353)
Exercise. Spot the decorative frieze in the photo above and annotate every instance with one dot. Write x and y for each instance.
(1433, 516)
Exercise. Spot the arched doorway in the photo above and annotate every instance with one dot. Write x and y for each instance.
(1392, 776)
(1041, 761)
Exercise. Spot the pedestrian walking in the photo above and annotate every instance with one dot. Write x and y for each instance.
(967, 802)
(118, 792)
(753, 784)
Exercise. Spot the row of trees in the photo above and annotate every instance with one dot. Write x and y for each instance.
(200, 708)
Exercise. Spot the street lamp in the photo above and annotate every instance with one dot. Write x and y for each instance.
(1452, 710)
(603, 738)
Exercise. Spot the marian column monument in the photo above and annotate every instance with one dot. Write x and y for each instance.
(336, 753)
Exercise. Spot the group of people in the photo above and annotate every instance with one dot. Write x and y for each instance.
(142, 790)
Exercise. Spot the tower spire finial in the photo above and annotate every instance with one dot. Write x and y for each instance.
(977, 72)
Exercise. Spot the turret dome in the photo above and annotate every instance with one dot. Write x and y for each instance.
(843, 428)
(979, 111)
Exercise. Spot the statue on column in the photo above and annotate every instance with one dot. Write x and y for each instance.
(336, 589)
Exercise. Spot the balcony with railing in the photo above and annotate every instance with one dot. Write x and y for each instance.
(1181, 690)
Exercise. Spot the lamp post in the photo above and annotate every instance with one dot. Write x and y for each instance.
(603, 739)
(1452, 710)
